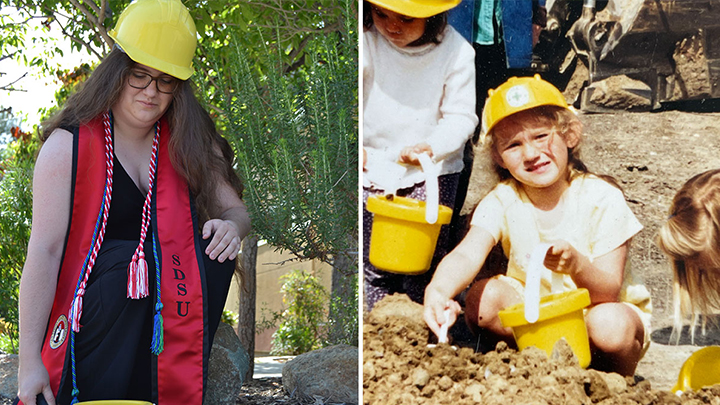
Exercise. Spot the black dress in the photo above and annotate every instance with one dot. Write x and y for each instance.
(112, 349)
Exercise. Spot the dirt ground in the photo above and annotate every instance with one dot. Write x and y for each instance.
(651, 154)
(266, 391)
(400, 368)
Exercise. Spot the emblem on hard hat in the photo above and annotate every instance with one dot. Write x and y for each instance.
(517, 96)
(59, 332)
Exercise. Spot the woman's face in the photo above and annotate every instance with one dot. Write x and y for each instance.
(143, 107)
(399, 29)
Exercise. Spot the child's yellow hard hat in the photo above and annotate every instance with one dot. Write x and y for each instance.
(417, 8)
(158, 33)
(518, 94)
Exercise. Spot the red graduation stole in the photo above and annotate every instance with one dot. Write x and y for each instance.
(181, 368)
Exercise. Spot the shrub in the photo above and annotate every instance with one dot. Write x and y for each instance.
(302, 323)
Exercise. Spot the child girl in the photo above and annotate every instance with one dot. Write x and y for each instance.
(546, 195)
(418, 97)
(691, 240)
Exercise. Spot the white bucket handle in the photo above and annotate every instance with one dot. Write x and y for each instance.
(432, 192)
(532, 282)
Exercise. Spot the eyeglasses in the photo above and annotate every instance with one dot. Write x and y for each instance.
(164, 83)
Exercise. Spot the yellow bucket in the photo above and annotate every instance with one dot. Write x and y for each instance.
(402, 241)
(561, 316)
(700, 370)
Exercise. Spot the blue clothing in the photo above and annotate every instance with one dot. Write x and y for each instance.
(477, 21)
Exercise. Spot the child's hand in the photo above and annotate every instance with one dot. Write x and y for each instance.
(434, 312)
(409, 154)
(364, 159)
(562, 257)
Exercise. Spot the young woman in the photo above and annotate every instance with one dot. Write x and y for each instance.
(137, 220)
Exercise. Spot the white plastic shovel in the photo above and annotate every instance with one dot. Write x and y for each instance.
(532, 282)
(443, 336)
(432, 191)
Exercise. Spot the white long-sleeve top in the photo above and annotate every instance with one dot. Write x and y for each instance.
(413, 95)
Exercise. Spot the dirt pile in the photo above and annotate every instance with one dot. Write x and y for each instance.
(400, 368)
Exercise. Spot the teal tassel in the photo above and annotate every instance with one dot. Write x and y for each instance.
(158, 338)
(75, 393)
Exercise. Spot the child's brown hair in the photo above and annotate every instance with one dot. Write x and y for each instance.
(691, 240)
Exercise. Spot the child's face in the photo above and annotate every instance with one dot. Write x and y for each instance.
(532, 150)
(399, 29)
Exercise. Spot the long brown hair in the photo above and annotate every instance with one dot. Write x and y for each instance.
(198, 152)
(691, 240)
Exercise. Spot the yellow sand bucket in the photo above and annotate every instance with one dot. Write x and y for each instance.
(402, 240)
(561, 316)
(700, 370)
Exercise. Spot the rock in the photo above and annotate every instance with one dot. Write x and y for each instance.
(229, 362)
(563, 353)
(619, 93)
(330, 373)
(615, 382)
(8, 375)
(420, 377)
(595, 387)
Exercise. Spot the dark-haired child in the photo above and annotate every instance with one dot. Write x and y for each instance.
(418, 97)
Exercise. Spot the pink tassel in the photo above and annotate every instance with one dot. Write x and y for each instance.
(143, 289)
(132, 279)
(76, 313)
(138, 278)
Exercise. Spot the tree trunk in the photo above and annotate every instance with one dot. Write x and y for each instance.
(246, 318)
(344, 288)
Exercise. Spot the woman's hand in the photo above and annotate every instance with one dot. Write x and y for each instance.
(34, 380)
(562, 257)
(409, 154)
(225, 243)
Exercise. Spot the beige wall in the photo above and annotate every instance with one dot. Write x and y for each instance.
(271, 265)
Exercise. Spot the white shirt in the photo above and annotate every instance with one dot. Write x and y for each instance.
(595, 221)
(413, 95)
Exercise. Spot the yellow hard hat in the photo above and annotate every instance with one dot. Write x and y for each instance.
(417, 8)
(158, 33)
(518, 94)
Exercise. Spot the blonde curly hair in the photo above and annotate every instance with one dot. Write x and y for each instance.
(564, 120)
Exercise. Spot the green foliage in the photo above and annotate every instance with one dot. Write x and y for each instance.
(85, 23)
(285, 26)
(343, 325)
(302, 324)
(8, 344)
(296, 141)
(229, 317)
(15, 223)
